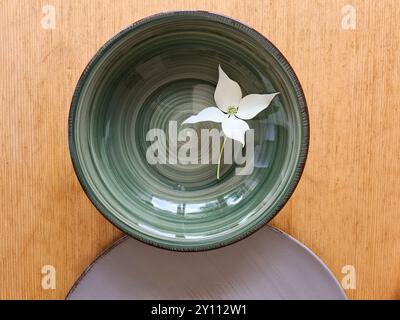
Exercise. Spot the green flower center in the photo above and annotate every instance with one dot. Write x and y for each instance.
(232, 110)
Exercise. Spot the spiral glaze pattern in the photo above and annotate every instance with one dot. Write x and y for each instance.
(161, 71)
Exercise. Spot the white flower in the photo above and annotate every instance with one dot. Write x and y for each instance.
(232, 108)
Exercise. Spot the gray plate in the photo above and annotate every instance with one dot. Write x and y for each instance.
(268, 265)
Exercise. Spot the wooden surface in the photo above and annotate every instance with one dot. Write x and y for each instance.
(346, 207)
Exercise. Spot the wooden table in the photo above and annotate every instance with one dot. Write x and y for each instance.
(346, 207)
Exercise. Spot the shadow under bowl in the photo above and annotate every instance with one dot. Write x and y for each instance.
(154, 75)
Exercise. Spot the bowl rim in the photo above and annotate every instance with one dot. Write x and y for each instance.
(268, 46)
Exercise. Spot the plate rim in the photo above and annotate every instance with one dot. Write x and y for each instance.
(268, 46)
(296, 242)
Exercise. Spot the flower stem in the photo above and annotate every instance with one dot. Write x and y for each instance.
(220, 156)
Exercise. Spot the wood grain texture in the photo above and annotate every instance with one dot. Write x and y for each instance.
(346, 207)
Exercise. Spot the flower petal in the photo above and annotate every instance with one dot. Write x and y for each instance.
(235, 129)
(227, 92)
(253, 104)
(208, 114)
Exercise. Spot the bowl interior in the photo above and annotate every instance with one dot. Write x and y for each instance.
(156, 74)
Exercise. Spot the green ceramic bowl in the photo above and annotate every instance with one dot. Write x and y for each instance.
(165, 68)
